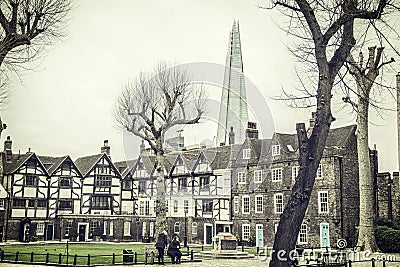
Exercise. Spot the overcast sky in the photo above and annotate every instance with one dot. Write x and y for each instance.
(64, 106)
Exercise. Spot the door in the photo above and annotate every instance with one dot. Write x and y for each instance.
(324, 233)
(260, 235)
(49, 234)
(82, 232)
(208, 234)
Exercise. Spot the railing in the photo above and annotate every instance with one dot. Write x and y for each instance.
(148, 257)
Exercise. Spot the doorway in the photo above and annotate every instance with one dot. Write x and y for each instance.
(49, 233)
(324, 234)
(82, 232)
(208, 234)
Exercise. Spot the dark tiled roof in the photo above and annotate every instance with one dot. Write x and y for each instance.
(86, 164)
(16, 162)
(54, 161)
(128, 165)
(339, 137)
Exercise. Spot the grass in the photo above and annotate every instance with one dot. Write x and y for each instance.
(100, 253)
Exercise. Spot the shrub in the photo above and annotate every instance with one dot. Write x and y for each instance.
(388, 239)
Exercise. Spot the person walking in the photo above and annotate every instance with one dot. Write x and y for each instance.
(160, 245)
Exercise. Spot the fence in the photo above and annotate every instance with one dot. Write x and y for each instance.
(128, 256)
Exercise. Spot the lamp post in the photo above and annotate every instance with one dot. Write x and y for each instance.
(185, 236)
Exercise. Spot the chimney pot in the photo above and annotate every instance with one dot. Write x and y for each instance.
(231, 137)
(105, 148)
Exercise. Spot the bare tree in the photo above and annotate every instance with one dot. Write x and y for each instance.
(26, 27)
(365, 76)
(327, 31)
(150, 106)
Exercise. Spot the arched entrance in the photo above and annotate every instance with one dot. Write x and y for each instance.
(25, 230)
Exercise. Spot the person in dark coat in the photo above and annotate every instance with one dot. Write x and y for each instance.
(160, 245)
(174, 250)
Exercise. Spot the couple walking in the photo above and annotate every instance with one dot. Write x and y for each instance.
(173, 248)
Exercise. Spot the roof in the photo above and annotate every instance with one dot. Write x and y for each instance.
(86, 164)
(17, 160)
(128, 165)
(54, 161)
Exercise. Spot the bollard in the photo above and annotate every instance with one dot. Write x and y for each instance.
(16, 256)
(191, 255)
(47, 257)
(145, 258)
(349, 263)
(202, 248)
(32, 257)
(113, 259)
(135, 257)
(383, 263)
(75, 259)
(242, 248)
(152, 257)
(59, 258)
(373, 262)
(88, 259)
(258, 251)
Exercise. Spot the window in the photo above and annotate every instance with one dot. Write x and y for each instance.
(246, 153)
(111, 228)
(179, 161)
(42, 203)
(302, 239)
(31, 203)
(207, 205)
(236, 204)
(259, 204)
(127, 228)
(94, 225)
(103, 181)
(19, 203)
(127, 184)
(319, 172)
(194, 228)
(144, 207)
(105, 228)
(175, 206)
(323, 202)
(185, 205)
(100, 202)
(245, 205)
(1, 203)
(142, 186)
(295, 172)
(278, 203)
(241, 177)
(276, 174)
(258, 176)
(65, 204)
(31, 180)
(204, 182)
(167, 206)
(64, 182)
(68, 226)
(245, 232)
(151, 230)
(182, 183)
(276, 150)
(144, 229)
(40, 229)
(177, 228)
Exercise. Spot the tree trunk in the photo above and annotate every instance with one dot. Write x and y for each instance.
(160, 209)
(366, 234)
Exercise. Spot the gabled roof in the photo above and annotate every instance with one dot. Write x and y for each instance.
(338, 137)
(86, 164)
(129, 165)
(56, 163)
(17, 161)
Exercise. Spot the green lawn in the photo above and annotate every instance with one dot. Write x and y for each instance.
(100, 253)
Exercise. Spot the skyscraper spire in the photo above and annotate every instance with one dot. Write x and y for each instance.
(233, 108)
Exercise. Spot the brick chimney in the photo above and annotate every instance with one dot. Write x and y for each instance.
(105, 148)
(251, 131)
(231, 137)
(8, 148)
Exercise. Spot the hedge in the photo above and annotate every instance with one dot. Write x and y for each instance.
(388, 239)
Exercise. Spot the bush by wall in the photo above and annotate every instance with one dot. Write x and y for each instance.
(388, 239)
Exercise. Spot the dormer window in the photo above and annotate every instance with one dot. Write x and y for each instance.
(246, 153)
(276, 150)
(179, 161)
